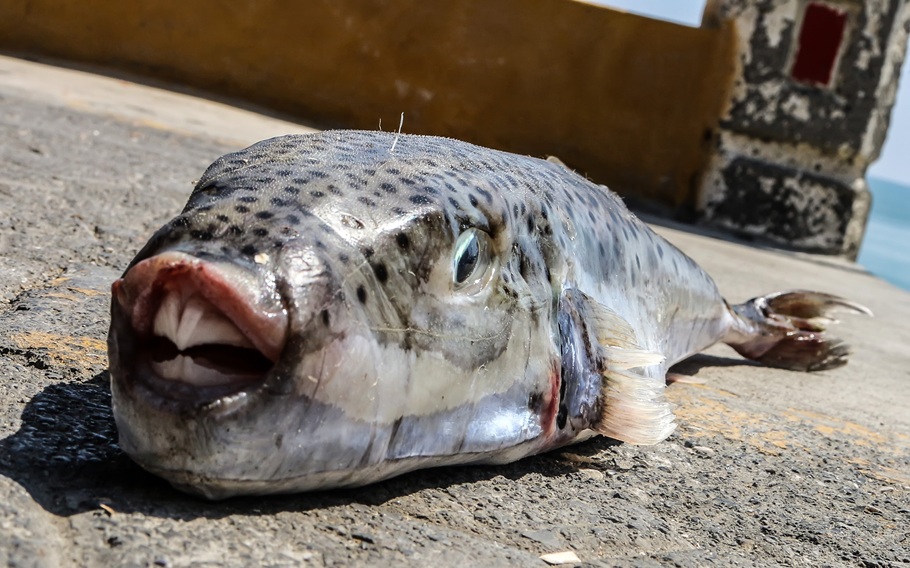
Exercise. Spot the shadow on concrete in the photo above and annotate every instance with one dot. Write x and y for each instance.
(692, 365)
(65, 455)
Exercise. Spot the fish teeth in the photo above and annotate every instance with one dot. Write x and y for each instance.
(184, 369)
(196, 322)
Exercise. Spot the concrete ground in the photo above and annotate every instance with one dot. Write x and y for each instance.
(768, 467)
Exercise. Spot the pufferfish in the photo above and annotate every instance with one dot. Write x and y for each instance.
(338, 308)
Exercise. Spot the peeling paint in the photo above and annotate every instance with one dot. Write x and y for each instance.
(797, 106)
(80, 351)
(808, 144)
(705, 410)
(776, 22)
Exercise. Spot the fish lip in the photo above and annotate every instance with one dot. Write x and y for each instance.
(258, 313)
(139, 292)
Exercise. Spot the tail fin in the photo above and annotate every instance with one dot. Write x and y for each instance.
(787, 330)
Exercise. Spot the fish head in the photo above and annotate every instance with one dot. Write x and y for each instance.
(329, 310)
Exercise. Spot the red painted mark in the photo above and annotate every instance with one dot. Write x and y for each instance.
(819, 43)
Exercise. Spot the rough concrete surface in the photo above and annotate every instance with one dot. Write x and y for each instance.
(768, 467)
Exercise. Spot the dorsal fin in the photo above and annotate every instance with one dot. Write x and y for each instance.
(557, 161)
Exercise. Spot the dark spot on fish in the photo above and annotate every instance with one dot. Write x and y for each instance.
(638, 262)
(278, 202)
(403, 241)
(388, 187)
(455, 203)
(382, 274)
(235, 230)
(344, 258)
(368, 252)
(261, 232)
(292, 190)
(318, 174)
(317, 194)
(472, 199)
(249, 199)
(324, 314)
(223, 218)
(531, 223)
(524, 266)
(249, 250)
(242, 209)
(486, 194)
(394, 171)
(265, 214)
(284, 173)
(366, 201)
(420, 199)
(406, 181)
(361, 294)
(202, 235)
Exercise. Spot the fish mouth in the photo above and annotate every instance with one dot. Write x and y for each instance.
(194, 331)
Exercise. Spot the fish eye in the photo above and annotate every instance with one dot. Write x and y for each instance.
(471, 258)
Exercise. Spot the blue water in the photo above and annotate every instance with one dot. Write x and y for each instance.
(886, 246)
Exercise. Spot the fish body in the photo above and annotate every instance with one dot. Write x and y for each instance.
(338, 308)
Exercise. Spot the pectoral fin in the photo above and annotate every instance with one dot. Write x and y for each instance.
(631, 405)
(635, 409)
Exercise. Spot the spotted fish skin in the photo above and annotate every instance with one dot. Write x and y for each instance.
(304, 323)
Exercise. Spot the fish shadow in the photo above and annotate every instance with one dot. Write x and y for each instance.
(65, 452)
(692, 365)
(65, 455)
